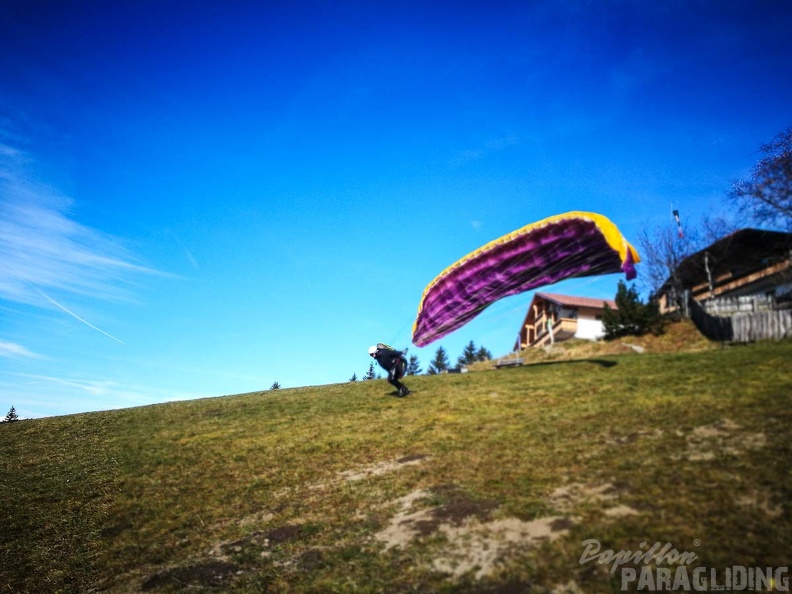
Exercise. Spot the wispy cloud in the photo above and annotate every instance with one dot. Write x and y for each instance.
(15, 351)
(79, 394)
(42, 248)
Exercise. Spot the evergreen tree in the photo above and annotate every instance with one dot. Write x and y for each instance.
(483, 355)
(440, 362)
(11, 416)
(413, 366)
(370, 375)
(468, 355)
(353, 378)
(632, 317)
(275, 386)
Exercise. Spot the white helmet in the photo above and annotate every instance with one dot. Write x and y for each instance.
(372, 350)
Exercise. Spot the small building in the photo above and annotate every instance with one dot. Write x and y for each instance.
(555, 318)
(748, 262)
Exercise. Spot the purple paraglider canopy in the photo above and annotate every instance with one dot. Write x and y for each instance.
(574, 244)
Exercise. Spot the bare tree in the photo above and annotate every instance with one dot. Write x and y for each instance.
(766, 197)
(714, 228)
(662, 248)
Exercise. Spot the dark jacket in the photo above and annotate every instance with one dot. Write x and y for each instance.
(388, 357)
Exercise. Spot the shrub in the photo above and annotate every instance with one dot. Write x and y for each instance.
(631, 317)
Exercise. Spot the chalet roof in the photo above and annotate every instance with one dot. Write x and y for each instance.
(573, 302)
(737, 254)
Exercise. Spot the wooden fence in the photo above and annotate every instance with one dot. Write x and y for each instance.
(741, 326)
(731, 306)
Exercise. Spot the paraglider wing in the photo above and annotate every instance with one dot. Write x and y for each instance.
(575, 244)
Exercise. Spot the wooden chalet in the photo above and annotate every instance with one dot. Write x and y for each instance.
(746, 262)
(555, 318)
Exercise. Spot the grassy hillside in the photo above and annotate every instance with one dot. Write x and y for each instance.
(481, 482)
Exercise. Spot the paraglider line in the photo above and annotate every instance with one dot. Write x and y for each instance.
(399, 333)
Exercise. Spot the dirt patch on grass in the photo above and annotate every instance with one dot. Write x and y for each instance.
(310, 560)
(250, 551)
(257, 539)
(407, 524)
(478, 547)
(412, 519)
(212, 574)
(227, 560)
(724, 437)
(571, 497)
(621, 511)
(472, 541)
(761, 500)
(414, 516)
(568, 497)
(412, 458)
(261, 517)
(634, 436)
(284, 533)
(381, 468)
(365, 472)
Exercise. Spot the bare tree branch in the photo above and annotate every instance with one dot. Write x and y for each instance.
(766, 197)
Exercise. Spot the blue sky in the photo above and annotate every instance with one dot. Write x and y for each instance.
(199, 199)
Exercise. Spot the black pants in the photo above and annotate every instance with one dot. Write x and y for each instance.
(396, 373)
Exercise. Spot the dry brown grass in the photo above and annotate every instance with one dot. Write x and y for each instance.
(679, 337)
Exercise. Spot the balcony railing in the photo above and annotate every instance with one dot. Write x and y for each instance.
(563, 329)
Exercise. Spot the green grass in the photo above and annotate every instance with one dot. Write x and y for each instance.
(247, 493)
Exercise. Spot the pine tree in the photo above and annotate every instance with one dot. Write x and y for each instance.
(370, 375)
(468, 355)
(413, 366)
(353, 378)
(632, 317)
(11, 416)
(275, 386)
(483, 355)
(440, 362)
